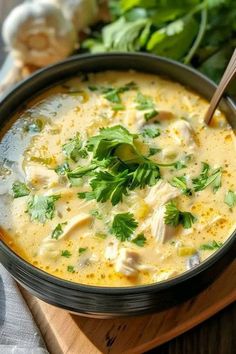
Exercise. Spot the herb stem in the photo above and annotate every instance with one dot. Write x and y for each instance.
(197, 42)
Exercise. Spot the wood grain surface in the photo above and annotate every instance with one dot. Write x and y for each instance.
(217, 335)
(65, 333)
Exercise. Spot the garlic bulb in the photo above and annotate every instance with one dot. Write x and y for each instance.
(38, 34)
(82, 13)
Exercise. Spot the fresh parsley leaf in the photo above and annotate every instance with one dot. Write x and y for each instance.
(207, 177)
(230, 199)
(122, 35)
(118, 107)
(144, 102)
(108, 140)
(150, 115)
(71, 269)
(86, 195)
(20, 189)
(113, 96)
(186, 219)
(145, 174)
(34, 126)
(62, 169)
(106, 186)
(82, 250)
(81, 171)
(66, 254)
(96, 214)
(123, 226)
(151, 132)
(153, 151)
(74, 150)
(58, 231)
(179, 165)
(174, 217)
(101, 235)
(181, 183)
(140, 240)
(174, 39)
(42, 207)
(93, 88)
(210, 246)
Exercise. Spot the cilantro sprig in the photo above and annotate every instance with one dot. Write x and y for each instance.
(174, 217)
(123, 226)
(230, 199)
(20, 189)
(74, 149)
(140, 240)
(181, 183)
(210, 246)
(208, 177)
(42, 207)
(144, 102)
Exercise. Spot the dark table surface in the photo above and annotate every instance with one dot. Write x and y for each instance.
(214, 336)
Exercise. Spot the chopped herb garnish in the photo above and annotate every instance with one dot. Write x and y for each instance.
(96, 214)
(62, 169)
(179, 165)
(210, 246)
(151, 132)
(181, 183)
(101, 235)
(82, 250)
(144, 102)
(140, 240)
(81, 171)
(146, 174)
(153, 151)
(118, 107)
(58, 231)
(86, 195)
(107, 186)
(74, 150)
(35, 126)
(150, 115)
(113, 96)
(66, 253)
(93, 88)
(207, 177)
(20, 189)
(123, 226)
(108, 140)
(175, 217)
(42, 207)
(230, 199)
(71, 269)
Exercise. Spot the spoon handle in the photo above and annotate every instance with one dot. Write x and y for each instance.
(226, 78)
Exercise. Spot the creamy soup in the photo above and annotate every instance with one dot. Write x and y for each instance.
(113, 179)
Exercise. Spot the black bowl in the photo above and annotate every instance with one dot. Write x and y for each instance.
(107, 302)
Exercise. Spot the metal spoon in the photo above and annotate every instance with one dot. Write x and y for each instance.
(226, 78)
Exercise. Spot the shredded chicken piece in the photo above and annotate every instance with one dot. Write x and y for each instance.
(159, 229)
(183, 133)
(127, 262)
(164, 275)
(48, 249)
(41, 176)
(161, 193)
(75, 222)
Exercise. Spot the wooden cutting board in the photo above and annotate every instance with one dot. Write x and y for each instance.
(65, 333)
